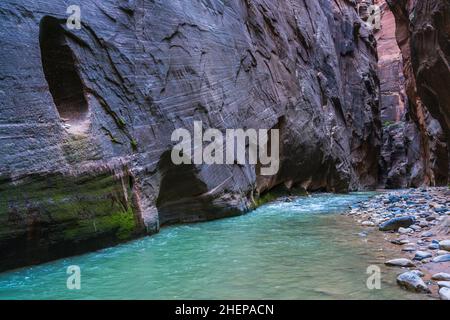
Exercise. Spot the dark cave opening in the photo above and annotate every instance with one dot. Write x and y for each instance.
(180, 202)
(60, 71)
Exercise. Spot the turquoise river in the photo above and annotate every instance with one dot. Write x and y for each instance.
(298, 248)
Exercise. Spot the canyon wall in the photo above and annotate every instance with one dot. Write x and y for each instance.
(414, 150)
(86, 115)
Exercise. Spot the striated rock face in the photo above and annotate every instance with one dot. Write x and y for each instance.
(390, 68)
(414, 148)
(430, 58)
(86, 115)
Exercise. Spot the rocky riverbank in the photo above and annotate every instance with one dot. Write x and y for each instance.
(416, 223)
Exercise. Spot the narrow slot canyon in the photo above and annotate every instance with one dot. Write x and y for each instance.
(350, 119)
(414, 149)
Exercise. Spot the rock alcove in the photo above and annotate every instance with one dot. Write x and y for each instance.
(60, 70)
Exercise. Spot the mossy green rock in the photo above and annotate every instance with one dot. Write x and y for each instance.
(43, 217)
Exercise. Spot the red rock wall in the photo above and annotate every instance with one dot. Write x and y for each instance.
(414, 150)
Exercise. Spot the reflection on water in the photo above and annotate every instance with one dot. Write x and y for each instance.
(299, 249)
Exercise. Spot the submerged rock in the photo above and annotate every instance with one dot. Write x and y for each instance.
(412, 282)
(367, 224)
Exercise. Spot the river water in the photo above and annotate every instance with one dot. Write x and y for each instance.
(302, 248)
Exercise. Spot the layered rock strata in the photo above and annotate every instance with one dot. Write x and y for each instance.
(87, 115)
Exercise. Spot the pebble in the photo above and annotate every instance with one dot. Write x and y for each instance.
(419, 222)
(420, 255)
(442, 258)
(444, 284)
(400, 242)
(441, 276)
(401, 262)
(423, 224)
(427, 234)
(412, 282)
(444, 245)
(402, 230)
(444, 293)
(396, 223)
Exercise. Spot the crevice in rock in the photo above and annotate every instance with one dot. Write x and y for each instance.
(60, 69)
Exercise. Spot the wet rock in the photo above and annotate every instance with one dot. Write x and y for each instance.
(401, 262)
(409, 249)
(396, 223)
(412, 282)
(362, 234)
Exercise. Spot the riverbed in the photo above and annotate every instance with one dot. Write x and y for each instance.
(292, 248)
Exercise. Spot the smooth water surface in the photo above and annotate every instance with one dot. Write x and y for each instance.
(290, 249)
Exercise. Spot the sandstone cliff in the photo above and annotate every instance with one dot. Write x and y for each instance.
(414, 75)
(86, 115)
